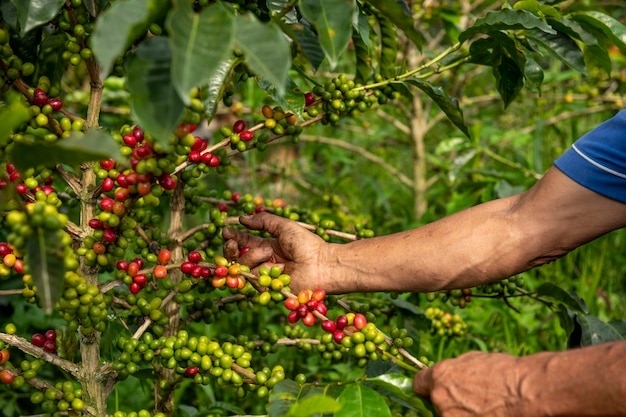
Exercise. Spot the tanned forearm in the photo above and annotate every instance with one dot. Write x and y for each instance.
(579, 382)
(485, 243)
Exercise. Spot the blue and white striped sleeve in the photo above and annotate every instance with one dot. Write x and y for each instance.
(597, 160)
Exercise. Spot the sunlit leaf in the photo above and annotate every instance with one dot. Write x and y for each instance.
(131, 19)
(266, 50)
(312, 405)
(199, 42)
(399, 15)
(33, 13)
(610, 27)
(333, 21)
(358, 400)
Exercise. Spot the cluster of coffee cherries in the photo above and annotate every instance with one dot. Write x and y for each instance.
(508, 286)
(200, 359)
(47, 340)
(64, 397)
(305, 305)
(444, 323)
(82, 304)
(11, 260)
(456, 297)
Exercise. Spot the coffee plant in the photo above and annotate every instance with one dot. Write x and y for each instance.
(125, 129)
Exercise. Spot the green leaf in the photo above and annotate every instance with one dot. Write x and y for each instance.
(309, 43)
(214, 89)
(614, 31)
(11, 116)
(266, 49)
(46, 265)
(509, 78)
(533, 74)
(131, 19)
(358, 400)
(94, 145)
(401, 387)
(154, 101)
(286, 393)
(333, 21)
(449, 105)
(598, 57)
(506, 19)
(399, 16)
(314, 404)
(199, 42)
(541, 10)
(595, 331)
(570, 300)
(292, 99)
(561, 47)
(33, 13)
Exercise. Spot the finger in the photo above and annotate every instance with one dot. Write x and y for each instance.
(231, 250)
(267, 222)
(256, 256)
(242, 238)
(423, 382)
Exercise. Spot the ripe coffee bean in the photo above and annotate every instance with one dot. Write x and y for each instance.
(51, 335)
(329, 326)
(239, 126)
(38, 339)
(50, 346)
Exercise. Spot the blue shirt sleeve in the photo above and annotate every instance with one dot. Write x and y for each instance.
(597, 160)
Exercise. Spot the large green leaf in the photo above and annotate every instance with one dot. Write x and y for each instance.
(154, 101)
(265, 48)
(33, 13)
(358, 400)
(397, 13)
(333, 21)
(449, 105)
(533, 73)
(312, 405)
(286, 393)
(94, 145)
(400, 387)
(562, 47)
(613, 30)
(506, 19)
(214, 88)
(558, 294)
(595, 331)
(199, 42)
(46, 265)
(131, 19)
(12, 114)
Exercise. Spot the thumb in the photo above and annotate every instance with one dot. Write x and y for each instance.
(423, 382)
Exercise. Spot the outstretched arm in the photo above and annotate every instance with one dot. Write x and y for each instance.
(488, 242)
(579, 382)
